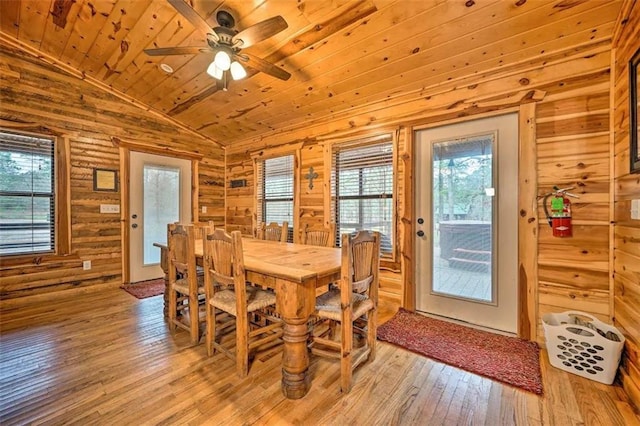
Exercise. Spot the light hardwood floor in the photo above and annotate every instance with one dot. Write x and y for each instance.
(108, 359)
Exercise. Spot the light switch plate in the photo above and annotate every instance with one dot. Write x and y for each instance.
(204, 209)
(635, 209)
(109, 208)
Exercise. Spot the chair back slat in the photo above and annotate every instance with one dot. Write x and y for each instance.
(361, 263)
(324, 237)
(224, 263)
(274, 232)
(181, 249)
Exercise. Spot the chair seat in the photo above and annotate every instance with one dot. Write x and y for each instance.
(328, 305)
(256, 299)
(182, 285)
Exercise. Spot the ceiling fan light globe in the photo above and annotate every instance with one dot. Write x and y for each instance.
(237, 71)
(222, 60)
(214, 71)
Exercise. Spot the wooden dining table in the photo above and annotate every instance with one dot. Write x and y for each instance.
(295, 272)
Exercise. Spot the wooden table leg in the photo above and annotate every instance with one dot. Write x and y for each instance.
(295, 302)
(295, 359)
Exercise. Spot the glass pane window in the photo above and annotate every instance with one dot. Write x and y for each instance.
(27, 194)
(275, 191)
(161, 202)
(463, 210)
(362, 188)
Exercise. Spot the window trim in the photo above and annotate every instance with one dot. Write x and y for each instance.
(357, 140)
(62, 166)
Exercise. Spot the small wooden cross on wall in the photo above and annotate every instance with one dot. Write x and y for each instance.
(311, 176)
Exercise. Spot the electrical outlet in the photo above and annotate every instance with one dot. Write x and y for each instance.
(86, 265)
(109, 208)
(204, 209)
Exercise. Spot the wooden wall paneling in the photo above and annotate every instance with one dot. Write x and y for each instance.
(577, 86)
(22, 48)
(312, 206)
(451, 100)
(612, 198)
(89, 117)
(527, 223)
(626, 188)
(240, 201)
(326, 190)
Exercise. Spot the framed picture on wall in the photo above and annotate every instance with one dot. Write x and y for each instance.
(105, 180)
(634, 112)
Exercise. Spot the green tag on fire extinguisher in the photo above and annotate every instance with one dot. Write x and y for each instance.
(557, 204)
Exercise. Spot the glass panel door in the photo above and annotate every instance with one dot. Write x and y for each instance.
(159, 194)
(466, 247)
(462, 212)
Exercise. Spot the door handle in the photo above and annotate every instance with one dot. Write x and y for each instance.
(134, 225)
(420, 233)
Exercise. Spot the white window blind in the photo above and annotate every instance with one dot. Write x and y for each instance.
(275, 191)
(362, 188)
(27, 195)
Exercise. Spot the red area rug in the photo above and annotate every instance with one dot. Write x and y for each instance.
(506, 359)
(144, 289)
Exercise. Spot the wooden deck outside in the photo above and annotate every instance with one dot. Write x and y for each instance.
(460, 282)
(106, 358)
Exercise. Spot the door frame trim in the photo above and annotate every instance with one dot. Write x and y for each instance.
(527, 216)
(125, 148)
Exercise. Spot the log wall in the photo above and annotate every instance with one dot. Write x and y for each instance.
(626, 267)
(571, 93)
(36, 92)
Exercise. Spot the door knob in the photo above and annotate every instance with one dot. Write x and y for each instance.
(420, 220)
(134, 225)
(134, 216)
(420, 233)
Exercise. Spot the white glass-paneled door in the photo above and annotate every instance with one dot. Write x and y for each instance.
(160, 193)
(466, 193)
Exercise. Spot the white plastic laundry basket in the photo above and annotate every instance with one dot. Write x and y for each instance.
(580, 349)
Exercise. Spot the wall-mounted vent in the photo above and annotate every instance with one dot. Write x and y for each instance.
(238, 183)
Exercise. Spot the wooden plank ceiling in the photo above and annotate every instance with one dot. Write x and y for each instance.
(341, 54)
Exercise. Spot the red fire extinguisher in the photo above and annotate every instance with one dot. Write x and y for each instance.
(560, 217)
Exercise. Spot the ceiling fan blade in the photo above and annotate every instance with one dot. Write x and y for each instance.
(178, 50)
(264, 66)
(260, 31)
(192, 16)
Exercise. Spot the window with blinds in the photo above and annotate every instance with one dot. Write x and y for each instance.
(362, 188)
(275, 191)
(27, 194)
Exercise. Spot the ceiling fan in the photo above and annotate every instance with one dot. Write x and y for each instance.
(227, 43)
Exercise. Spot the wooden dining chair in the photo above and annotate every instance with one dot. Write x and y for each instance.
(228, 295)
(186, 287)
(357, 298)
(319, 236)
(274, 232)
